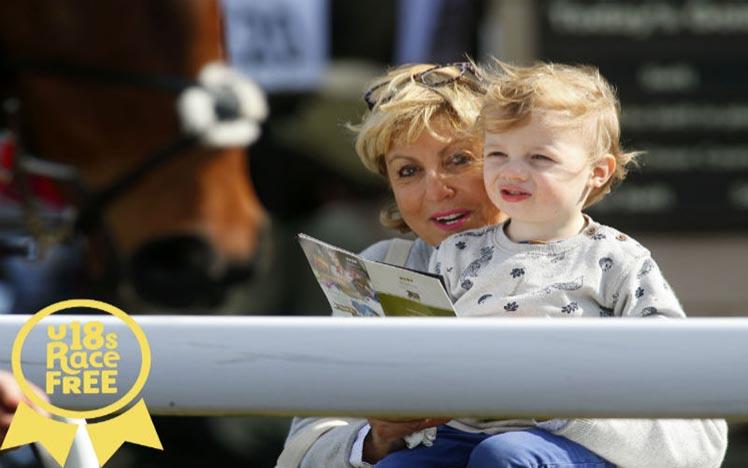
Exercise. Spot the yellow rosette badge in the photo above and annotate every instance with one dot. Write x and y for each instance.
(82, 359)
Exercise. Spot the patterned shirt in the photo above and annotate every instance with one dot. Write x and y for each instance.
(600, 272)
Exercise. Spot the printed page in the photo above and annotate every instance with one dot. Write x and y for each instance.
(403, 292)
(343, 278)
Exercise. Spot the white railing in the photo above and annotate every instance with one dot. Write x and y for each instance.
(429, 367)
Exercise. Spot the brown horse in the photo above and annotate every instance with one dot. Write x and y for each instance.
(89, 77)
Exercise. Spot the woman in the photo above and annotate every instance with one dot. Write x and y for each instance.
(417, 135)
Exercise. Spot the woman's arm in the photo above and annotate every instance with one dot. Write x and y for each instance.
(330, 444)
(333, 447)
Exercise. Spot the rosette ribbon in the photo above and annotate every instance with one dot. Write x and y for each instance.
(133, 425)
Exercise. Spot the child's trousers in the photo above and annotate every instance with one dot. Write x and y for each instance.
(534, 448)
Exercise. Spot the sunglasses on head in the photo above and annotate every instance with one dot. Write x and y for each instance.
(434, 77)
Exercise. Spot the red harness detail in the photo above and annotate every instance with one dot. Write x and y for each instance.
(43, 189)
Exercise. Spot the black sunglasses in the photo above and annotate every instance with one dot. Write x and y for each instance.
(434, 77)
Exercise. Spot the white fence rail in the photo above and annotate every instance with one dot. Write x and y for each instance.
(430, 367)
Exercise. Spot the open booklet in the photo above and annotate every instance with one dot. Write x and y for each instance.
(360, 287)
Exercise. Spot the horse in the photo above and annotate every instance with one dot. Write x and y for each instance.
(168, 223)
(97, 83)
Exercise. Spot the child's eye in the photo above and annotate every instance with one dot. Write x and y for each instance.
(496, 154)
(541, 158)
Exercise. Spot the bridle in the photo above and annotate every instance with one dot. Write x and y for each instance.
(229, 104)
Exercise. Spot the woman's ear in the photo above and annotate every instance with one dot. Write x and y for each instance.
(602, 170)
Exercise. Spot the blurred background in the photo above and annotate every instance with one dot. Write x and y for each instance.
(93, 87)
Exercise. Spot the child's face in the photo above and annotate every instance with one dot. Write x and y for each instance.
(540, 174)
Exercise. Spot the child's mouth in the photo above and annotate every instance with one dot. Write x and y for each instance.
(514, 196)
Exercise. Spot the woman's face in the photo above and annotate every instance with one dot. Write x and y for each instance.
(438, 185)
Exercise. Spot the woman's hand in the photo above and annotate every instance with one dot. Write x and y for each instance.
(386, 437)
(10, 397)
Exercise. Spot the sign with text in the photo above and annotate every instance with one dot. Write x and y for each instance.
(282, 44)
(680, 71)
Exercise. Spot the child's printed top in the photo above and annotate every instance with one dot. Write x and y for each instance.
(600, 272)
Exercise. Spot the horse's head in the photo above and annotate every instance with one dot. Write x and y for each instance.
(186, 227)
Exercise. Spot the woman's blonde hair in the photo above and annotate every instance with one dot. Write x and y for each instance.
(578, 93)
(405, 107)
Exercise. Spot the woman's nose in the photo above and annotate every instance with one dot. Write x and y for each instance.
(438, 186)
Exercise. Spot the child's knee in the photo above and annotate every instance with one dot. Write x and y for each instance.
(501, 451)
(397, 459)
(389, 462)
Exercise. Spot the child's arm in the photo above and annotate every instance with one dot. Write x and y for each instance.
(673, 443)
(644, 292)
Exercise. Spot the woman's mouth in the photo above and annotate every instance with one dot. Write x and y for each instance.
(451, 220)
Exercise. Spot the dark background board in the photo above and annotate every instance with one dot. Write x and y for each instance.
(681, 69)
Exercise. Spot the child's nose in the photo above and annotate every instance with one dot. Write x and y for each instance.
(513, 171)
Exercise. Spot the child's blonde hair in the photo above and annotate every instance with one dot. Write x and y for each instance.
(579, 92)
(403, 108)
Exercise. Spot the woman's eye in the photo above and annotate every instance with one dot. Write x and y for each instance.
(407, 171)
(460, 159)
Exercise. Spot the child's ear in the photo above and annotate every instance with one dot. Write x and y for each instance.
(602, 170)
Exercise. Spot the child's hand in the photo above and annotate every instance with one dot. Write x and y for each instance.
(386, 437)
(10, 397)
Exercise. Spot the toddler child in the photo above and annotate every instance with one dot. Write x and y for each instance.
(551, 150)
